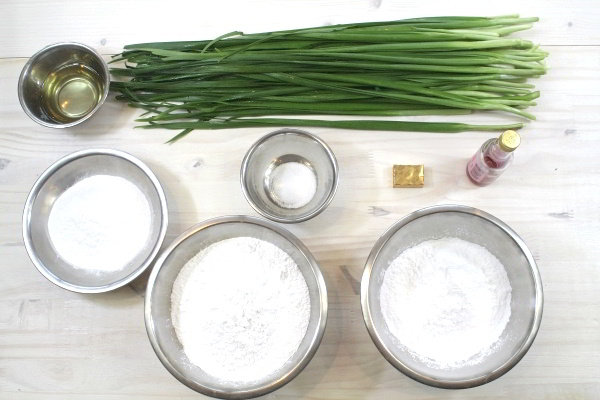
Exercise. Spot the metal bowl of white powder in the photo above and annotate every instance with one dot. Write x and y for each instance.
(94, 220)
(236, 307)
(289, 175)
(452, 296)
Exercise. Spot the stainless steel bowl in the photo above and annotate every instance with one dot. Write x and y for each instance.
(283, 146)
(63, 84)
(478, 227)
(57, 179)
(158, 304)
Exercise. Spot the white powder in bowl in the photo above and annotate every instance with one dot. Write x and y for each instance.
(240, 309)
(447, 301)
(293, 185)
(100, 223)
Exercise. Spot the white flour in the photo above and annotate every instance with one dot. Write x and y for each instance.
(446, 301)
(240, 309)
(100, 223)
(293, 185)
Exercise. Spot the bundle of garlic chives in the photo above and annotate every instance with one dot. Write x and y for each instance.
(422, 66)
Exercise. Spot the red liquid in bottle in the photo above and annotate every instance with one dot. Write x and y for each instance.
(492, 158)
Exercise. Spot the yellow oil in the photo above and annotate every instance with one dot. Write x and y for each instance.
(71, 92)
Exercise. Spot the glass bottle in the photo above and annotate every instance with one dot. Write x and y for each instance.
(492, 158)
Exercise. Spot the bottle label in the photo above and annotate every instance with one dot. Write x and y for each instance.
(475, 171)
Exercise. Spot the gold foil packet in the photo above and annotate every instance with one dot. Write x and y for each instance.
(409, 176)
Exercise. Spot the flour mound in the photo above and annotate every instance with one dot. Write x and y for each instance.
(240, 309)
(100, 223)
(447, 301)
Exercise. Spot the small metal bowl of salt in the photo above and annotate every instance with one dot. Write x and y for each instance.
(452, 296)
(289, 176)
(94, 220)
(236, 307)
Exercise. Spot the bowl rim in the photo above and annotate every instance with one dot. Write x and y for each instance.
(39, 53)
(274, 384)
(316, 211)
(43, 178)
(406, 370)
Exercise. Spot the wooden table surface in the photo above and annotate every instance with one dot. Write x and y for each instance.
(55, 344)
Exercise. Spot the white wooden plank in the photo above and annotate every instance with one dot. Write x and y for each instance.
(59, 345)
(108, 25)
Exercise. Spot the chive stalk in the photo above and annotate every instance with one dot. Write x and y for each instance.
(419, 66)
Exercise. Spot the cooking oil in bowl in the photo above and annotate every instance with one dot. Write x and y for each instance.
(71, 92)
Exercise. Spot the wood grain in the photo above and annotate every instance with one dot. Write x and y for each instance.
(55, 344)
(27, 26)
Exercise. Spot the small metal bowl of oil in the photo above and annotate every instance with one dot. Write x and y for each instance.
(63, 84)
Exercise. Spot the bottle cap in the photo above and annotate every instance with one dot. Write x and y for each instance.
(509, 141)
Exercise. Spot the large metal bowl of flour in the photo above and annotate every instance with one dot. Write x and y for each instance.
(160, 328)
(59, 177)
(478, 227)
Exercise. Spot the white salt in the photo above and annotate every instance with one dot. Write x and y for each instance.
(293, 185)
